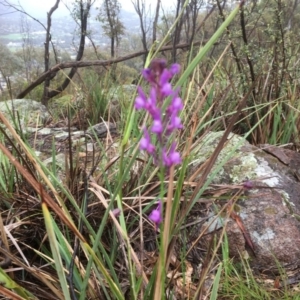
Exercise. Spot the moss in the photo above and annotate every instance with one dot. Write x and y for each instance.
(270, 211)
(240, 165)
(245, 168)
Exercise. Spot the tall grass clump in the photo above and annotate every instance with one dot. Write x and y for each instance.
(95, 88)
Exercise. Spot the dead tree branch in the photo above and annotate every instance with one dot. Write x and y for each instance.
(82, 64)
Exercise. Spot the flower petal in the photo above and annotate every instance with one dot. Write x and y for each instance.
(157, 127)
(145, 143)
(175, 69)
(156, 214)
(141, 99)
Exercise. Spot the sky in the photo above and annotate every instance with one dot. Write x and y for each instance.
(40, 7)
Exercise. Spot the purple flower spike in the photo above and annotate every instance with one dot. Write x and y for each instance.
(156, 215)
(165, 119)
(145, 143)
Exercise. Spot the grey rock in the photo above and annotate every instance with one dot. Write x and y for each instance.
(102, 129)
(60, 161)
(269, 211)
(125, 90)
(29, 112)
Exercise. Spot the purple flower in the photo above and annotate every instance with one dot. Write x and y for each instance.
(175, 69)
(166, 89)
(165, 86)
(145, 143)
(175, 123)
(171, 158)
(248, 184)
(175, 106)
(147, 74)
(141, 99)
(116, 212)
(157, 127)
(151, 107)
(156, 215)
(165, 119)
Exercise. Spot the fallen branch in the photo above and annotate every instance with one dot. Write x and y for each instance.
(88, 63)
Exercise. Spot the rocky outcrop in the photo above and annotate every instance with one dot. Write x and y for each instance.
(46, 141)
(42, 140)
(265, 223)
(25, 112)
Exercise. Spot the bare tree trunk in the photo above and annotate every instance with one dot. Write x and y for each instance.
(140, 8)
(112, 47)
(191, 19)
(178, 29)
(111, 25)
(155, 21)
(45, 97)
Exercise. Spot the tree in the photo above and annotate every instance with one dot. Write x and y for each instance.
(145, 22)
(140, 8)
(47, 54)
(109, 16)
(81, 11)
(190, 19)
(178, 28)
(155, 21)
(82, 64)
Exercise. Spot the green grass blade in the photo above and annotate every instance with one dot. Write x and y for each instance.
(214, 292)
(114, 288)
(67, 255)
(55, 251)
(10, 284)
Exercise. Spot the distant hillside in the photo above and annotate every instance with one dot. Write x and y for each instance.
(63, 29)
